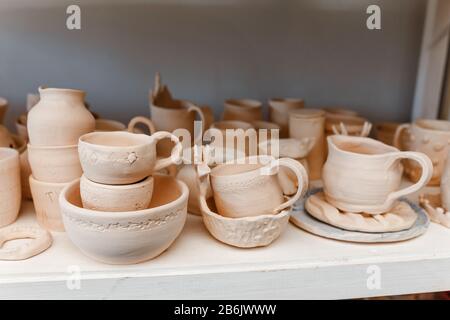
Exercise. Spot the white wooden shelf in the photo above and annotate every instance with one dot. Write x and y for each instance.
(297, 266)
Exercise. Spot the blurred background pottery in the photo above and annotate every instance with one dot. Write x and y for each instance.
(3, 109)
(279, 109)
(385, 132)
(6, 139)
(59, 118)
(10, 190)
(21, 126)
(244, 140)
(272, 130)
(247, 110)
(127, 237)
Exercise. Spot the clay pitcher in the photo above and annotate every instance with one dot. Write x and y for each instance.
(59, 118)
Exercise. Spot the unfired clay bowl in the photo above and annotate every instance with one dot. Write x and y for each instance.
(57, 164)
(45, 199)
(127, 237)
(116, 198)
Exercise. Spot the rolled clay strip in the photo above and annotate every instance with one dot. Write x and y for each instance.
(41, 241)
(432, 205)
(401, 216)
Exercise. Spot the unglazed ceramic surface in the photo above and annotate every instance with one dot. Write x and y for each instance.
(252, 189)
(124, 157)
(385, 132)
(6, 139)
(21, 126)
(54, 164)
(337, 123)
(127, 237)
(272, 130)
(10, 191)
(434, 208)
(3, 109)
(400, 217)
(41, 240)
(279, 109)
(109, 125)
(431, 137)
(25, 171)
(310, 123)
(232, 134)
(246, 110)
(116, 198)
(59, 118)
(45, 199)
(445, 184)
(364, 175)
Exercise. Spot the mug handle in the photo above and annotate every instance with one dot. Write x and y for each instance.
(302, 177)
(427, 172)
(175, 156)
(198, 110)
(398, 134)
(140, 119)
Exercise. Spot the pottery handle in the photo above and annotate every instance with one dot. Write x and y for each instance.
(175, 157)
(194, 108)
(398, 134)
(139, 119)
(302, 178)
(427, 172)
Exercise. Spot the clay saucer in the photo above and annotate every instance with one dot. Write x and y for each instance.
(433, 206)
(401, 216)
(302, 219)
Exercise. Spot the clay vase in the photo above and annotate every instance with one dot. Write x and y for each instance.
(430, 137)
(3, 109)
(235, 135)
(364, 175)
(310, 123)
(116, 198)
(251, 188)
(178, 114)
(279, 109)
(119, 157)
(6, 139)
(246, 110)
(127, 237)
(59, 118)
(10, 191)
(21, 126)
(385, 132)
(45, 199)
(445, 185)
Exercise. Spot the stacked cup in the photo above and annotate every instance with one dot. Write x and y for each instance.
(118, 168)
(54, 125)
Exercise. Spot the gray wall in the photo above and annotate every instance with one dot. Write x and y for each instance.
(208, 51)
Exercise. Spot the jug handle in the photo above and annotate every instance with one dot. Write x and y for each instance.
(398, 133)
(302, 178)
(140, 119)
(198, 110)
(175, 157)
(427, 172)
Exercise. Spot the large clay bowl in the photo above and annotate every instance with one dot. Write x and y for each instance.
(127, 237)
(246, 232)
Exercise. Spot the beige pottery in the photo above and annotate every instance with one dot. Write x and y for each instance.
(10, 191)
(21, 126)
(279, 109)
(3, 109)
(246, 110)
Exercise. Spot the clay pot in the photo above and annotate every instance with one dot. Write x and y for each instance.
(247, 110)
(179, 114)
(127, 237)
(340, 111)
(310, 123)
(235, 135)
(252, 189)
(6, 139)
(21, 126)
(59, 118)
(364, 175)
(116, 198)
(272, 130)
(385, 132)
(10, 192)
(430, 137)
(123, 157)
(279, 109)
(54, 164)
(3, 109)
(45, 198)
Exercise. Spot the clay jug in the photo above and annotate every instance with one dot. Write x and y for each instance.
(59, 118)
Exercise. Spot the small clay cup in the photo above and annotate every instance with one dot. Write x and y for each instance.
(242, 110)
(116, 198)
(279, 109)
(21, 126)
(10, 191)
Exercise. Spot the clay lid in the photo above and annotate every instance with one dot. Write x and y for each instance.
(307, 113)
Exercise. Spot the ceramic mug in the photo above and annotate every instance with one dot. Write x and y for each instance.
(252, 189)
(430, 137)
(242, 110)
(116, 198)
(45, 199)
(279, 109)
(10, 191)
(120, 157)
(364, 175)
